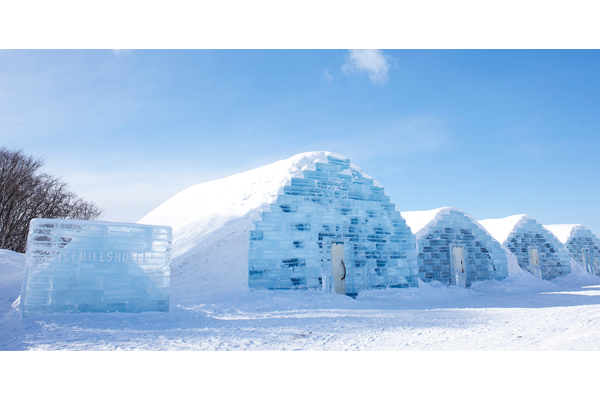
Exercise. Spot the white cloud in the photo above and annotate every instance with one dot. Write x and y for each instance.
(373, 62)
(328, 77)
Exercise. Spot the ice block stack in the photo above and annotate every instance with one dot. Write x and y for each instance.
(439, 231)
(290, 246)
(91, 266)
(581, 243)
(521, 234)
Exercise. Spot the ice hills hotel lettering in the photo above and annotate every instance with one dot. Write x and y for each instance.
(100, 256)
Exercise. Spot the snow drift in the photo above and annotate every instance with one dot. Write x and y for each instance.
(12, 267)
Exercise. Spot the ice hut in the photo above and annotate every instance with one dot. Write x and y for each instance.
(536, 248)
(284, 226)
(582, 244)
(454, 249)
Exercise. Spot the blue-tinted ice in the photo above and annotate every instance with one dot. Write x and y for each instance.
(291, 246)
(484, 257)
(552, 256)
(583, 243)
(91, 266)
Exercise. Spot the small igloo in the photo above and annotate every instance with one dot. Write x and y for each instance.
(582, 244)
(454, 249)
(536, 248)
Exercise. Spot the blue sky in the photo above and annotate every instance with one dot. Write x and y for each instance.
(493, 132)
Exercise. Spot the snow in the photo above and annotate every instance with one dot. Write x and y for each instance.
(562, 231)
(418, 220)
(501, 228)
(202, 211)
(211, 223)
(11, 276)
(517, 313)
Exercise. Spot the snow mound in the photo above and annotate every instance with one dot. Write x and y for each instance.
(518, 281)
(563, 231)
(433, 291)
(577, 269)
(211, 223)
(420, 221)
(501, 228)
(12, 267)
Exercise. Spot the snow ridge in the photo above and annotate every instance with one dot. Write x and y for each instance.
(563, 231)
(421, 221)
(501, 228)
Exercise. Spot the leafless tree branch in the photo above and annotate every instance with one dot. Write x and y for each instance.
(27, 193)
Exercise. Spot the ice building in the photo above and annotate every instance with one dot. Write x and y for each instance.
(454, 249)
(274, 227)
(95, 266)
(536, 248)
(334, 204)
(582, 244)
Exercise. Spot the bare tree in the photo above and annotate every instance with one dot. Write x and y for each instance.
(27, 193)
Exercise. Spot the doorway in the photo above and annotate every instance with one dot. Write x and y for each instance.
(585, 255)
(338, 267)
(460, 273)
(534, 263)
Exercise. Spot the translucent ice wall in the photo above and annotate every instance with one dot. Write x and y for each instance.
(583, 238)
(552, 255)
(291, 245)
(90, 266)
(484, 256)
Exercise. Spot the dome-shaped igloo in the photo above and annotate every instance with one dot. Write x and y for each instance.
(582, 244)
(534, 246)
(449, 241)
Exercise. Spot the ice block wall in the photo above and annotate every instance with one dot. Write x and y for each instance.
(291, 246)
(552, 255)
(583, 238)
(91, 266)
(484, 256)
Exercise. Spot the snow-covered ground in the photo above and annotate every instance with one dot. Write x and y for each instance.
(518, 313)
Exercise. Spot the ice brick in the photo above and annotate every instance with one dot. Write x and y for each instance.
(553, 257)
(93, 266)
(580, 240)
(484, 256)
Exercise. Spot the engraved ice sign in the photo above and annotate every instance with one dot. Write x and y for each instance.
(92, 266)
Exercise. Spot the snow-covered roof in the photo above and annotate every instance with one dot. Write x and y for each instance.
(421, 221)
(12, 266)
(501, 228)
(563, 231)
(418, 220)
(199, 212)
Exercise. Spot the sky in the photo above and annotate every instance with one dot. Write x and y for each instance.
(492, 132)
